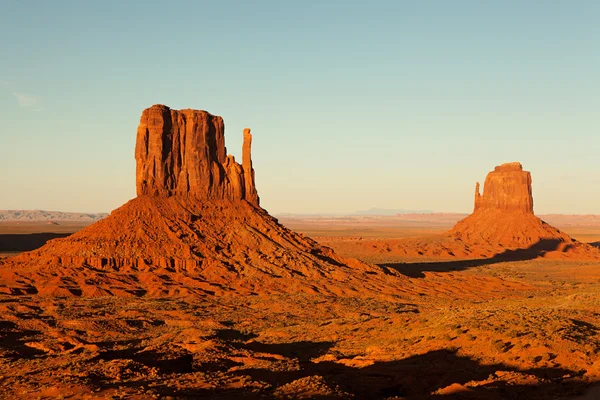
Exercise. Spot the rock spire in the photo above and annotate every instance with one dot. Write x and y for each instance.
(503, 214)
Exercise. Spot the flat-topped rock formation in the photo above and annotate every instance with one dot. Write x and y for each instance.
(195, 227)
(506, 188)
(502, 224)
(183, 153)
(503, 214)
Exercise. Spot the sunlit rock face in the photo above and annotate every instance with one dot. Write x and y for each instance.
(506, 188)
(182, 153)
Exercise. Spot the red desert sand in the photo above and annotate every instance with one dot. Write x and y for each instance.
(192, 290)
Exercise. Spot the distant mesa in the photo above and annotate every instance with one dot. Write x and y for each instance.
(506, 188)
(387, 211)
(501, 223)
(195, 227)
(503, 214)
(41, 215)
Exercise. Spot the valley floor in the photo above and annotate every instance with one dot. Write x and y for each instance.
(508, 330)
(513, 330)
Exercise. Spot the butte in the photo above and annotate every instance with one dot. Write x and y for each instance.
(502, 225)
(503, 216)
(195, 228)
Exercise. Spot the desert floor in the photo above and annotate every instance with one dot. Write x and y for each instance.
(462, 329)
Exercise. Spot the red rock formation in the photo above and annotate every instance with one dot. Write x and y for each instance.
(503, 215)
(507, 188)
(183, 153)
(502, 225)
(194, 228)
(250, 189)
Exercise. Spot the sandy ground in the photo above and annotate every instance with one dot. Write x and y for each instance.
(509, 330)
(585, 228)
(352, 235)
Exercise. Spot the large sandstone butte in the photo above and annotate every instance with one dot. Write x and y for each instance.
(195, 227)
(506, 188)
(183, 153)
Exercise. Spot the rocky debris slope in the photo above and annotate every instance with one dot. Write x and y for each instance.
(194, 228)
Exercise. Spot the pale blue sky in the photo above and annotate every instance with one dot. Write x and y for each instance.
(353, 105)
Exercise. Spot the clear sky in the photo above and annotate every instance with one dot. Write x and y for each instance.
(353, 104)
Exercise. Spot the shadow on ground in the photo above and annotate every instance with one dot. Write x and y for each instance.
(13, 342)
(416, 270)
(416, 377)
(15, 242)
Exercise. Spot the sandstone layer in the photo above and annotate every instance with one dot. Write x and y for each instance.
(506, 188)
(183, 153)
(195, 228)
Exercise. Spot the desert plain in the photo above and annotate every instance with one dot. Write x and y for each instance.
(192, 290)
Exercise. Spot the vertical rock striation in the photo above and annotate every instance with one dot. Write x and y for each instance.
(506, 188)
(182, 153)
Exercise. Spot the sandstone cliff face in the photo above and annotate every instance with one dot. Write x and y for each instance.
(182, 153)
(507, 188)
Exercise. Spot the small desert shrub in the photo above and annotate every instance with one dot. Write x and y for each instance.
(513, 333)
(501, 346)
(447, 337)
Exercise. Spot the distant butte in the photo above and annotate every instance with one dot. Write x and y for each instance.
(506, 188)
(503, 214)
(502, 226)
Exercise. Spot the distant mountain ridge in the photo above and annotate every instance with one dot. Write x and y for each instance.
(390, 211)
(370, 212)
(42, 215)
